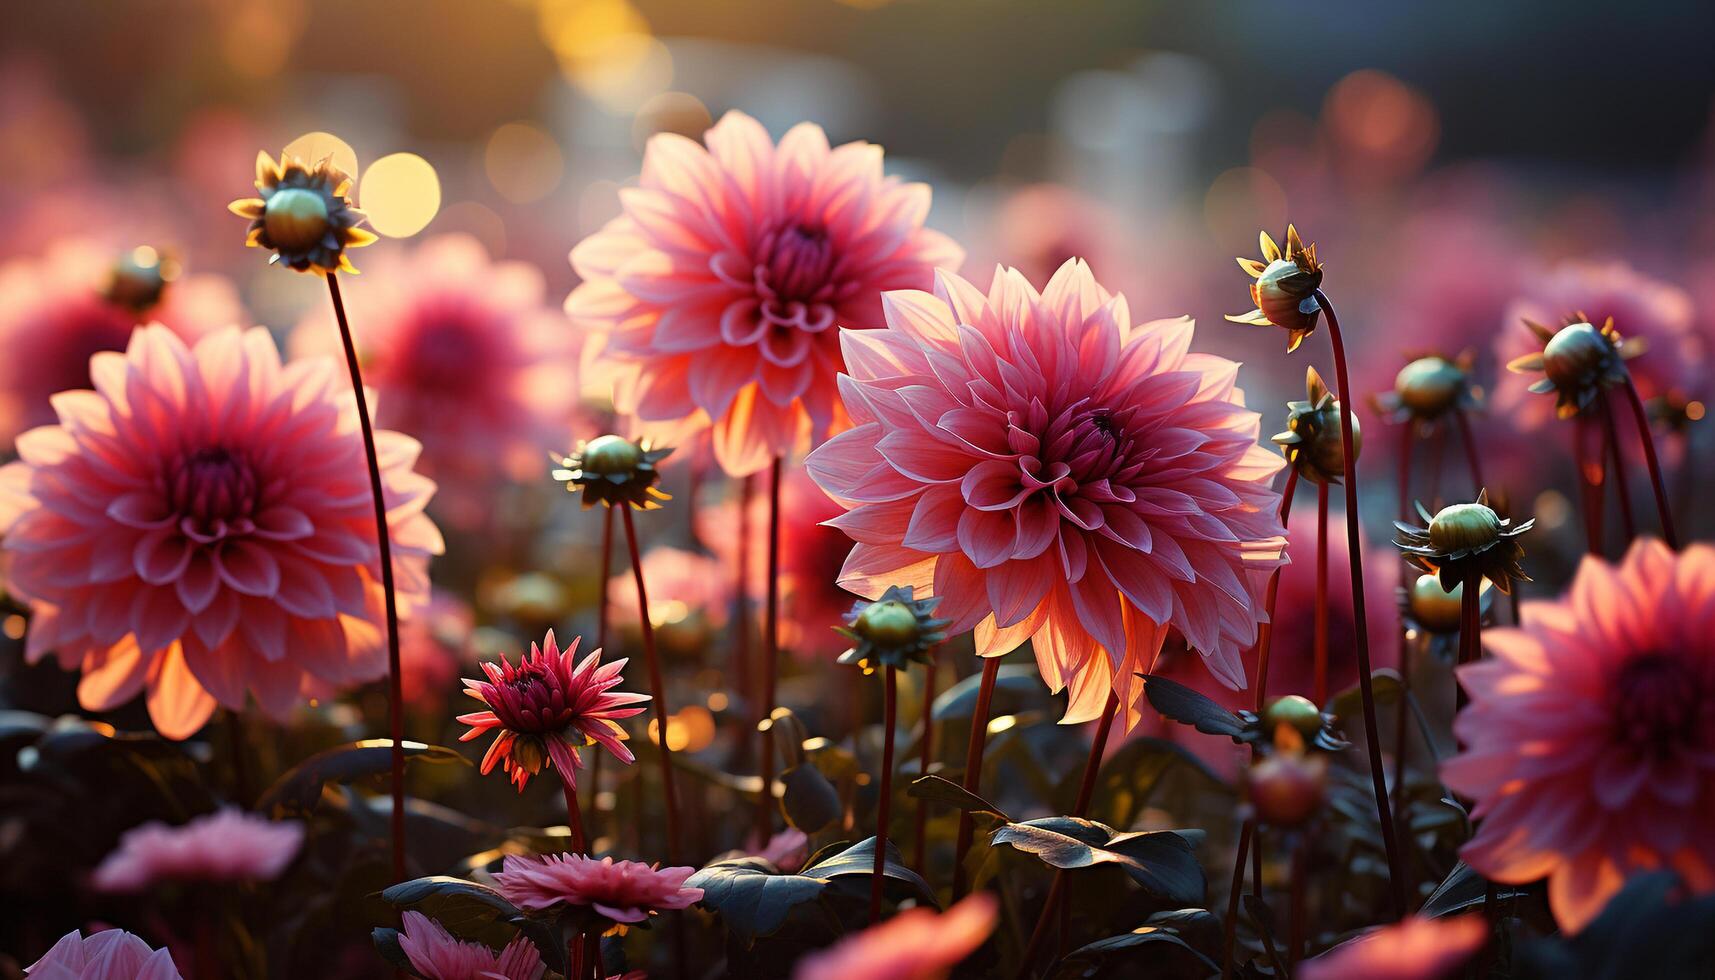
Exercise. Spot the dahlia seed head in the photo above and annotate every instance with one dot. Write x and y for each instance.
(613, 470)
(889, 622)
(1429, 387)
(1296, 711)
(139, 279)
(1464, 527)
(1577, 361)
(892, 631)
(1285, 287)
(610, 455)
(1574, 352)
(304, 215)
(1466, 541)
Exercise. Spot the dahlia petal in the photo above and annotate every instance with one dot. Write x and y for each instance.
(934, 522)
(112, 676)
(141, 510)
(994, 485)
(216, 621)
(178, 704)
(988, 538)
(1577, 891)
(870, 569)
(197, 583)
(157, 617)
(1016, 589)
(919, 459)
(282, 523)
(248, 568)
(222, 671)
(161, 556)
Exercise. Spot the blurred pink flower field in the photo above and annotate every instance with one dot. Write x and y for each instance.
(610, 489)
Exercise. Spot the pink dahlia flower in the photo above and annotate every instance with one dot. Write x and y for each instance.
(227, 845)
(1414, 949)
(721, 284)
(108, 955)
(811, 555)
(546, 709)
(437, 955)
(200, 525)
(917, 944)
(624, 891)
(1590, 741)
(682, 584)
(464, 355)
(63, 308)
(787, 850)
(1658, 313)
(1053, 472)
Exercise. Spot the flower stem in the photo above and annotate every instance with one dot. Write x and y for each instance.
(741, 665)
(1265, 632)
(657, 689)
(920, 852)
(770, 658)
(395, 688)
(884, 806)
(1360, 618)
(1590, 480)
(1662, 509)
(1298, 922)
(1229, 938)
(601, 643)
(1470, 623)
(974, 769)
(1473, 458)
(574, 817)
(1622, 488)
(1407, 434)
(1321, 630)
(1086, 790)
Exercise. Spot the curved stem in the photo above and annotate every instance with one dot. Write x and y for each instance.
(884, 807)
(1407, 432)
(1229, 937)
(1321, 631)
(1360, 618)
(1265, 632)
(657, 688)
(920, 852)
(974, 769)
(770, 658)
(741, 658)
(1622, 487)
(1660, 488)
(1473, 458)
(395, 688)
(1589, 485)
(601, 644)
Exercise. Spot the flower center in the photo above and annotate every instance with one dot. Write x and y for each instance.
(1655, 703)
(214, 488)
(296, 218)
(1100, 445)
(794, 263)
(447, 352)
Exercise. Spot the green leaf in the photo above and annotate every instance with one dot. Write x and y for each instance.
(1160, 862)
(1462, 889)
(939, 789)
(752, 897)
(1131, 775)
(809, 801)
(1149, 950)
(298, 790)
(1014, 686)
(859, 859)
(1189, 707)
(387, 944)
(1349, 704)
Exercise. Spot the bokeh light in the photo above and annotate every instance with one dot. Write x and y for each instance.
(401, 194)
(605, 49)
(523, 162)
(313, 148)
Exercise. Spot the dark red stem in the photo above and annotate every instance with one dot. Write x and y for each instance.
(1407, 432)
(1360, 616)
(741, 679)
(884, 807)
(770, 658)
(1590, 479)
(1622, 486)
(1473, 458)
(657, 688)
(1265, 632)
(974, 768)
(395, 686)
(1229, 938)
(1662, 509)
(1321, 630)
(920, 853)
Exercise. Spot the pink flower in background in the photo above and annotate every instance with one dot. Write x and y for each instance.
(1589, 736)
(79, 299)
(1054, 473)
(917, 944)
(437, 955)
(682, 584)
(786, 850)
(1036, 228)
(434, 646)
(108, 955)
(720, 287)
(1658, 313)
(811, 555)
(624, 891)
(1414, 949)
(225, 846)
(464, 356)
(200, 526)
(545, 710)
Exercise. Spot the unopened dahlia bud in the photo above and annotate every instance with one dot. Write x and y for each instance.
(304, 215)
(1464, 542)
(1285, 287)
(1296, 711)
(1312, 442)
(1286, 789)
(1577, 362)
(1429, 387)
(892, 631)
(613, 470)
(139, 279)
(1433, 608)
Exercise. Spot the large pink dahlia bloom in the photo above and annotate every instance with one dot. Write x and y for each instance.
(467, 357)
(722, 283)
(200, 525)
(64, 307)
(111, 954)
(227, 845)
(917, 944)
(624, 891)
(1053, 472)
(1590, 736)
(438, 955)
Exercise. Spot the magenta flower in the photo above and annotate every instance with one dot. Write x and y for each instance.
(79, 299)
(1590, 743)
(917, 944)
(464, 355)
(786, 850)
(1655, 313)
(108, 955)
(720, 286)
(1054, 473)
(200, 526)
(546, 710)
(437, 955)
(623, 891)
(1413, 949)
(224, 846)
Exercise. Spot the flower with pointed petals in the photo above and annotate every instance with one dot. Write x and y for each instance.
(917, 944)
(624, 892)
(895, 630)
(1417, 948)
(112, 954)
(1053, 472)
(1312, 441)
(68, 305)
(228, 845)
(720, 287)
(1577, 362)
(304, 215)
(612, 470)
(1285, 288)
(545, 710)
(200, 525)
(1465, 540)
(437, 955)
(1589, 734)
(1429, 387)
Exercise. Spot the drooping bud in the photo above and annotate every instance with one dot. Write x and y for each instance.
(1312, 441)
(1285, 288)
